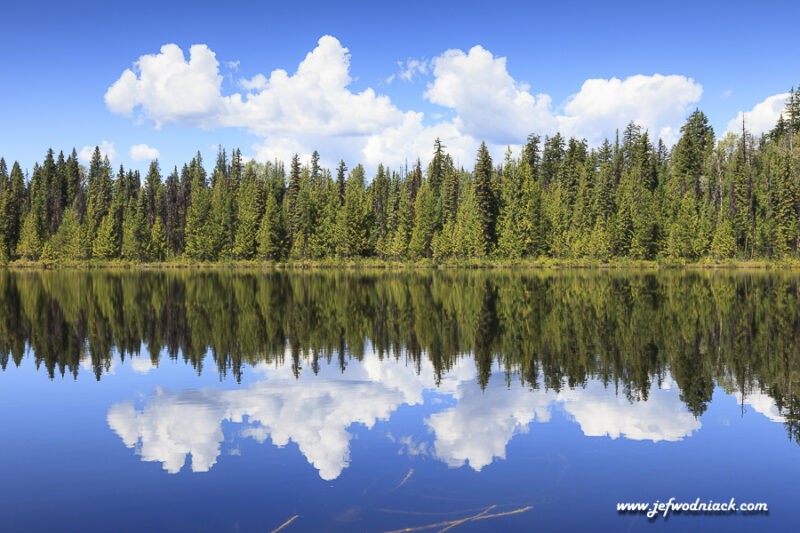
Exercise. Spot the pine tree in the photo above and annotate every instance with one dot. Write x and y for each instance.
(56, 184)
(510, 232)
(340, 180)
(405, 222)
(4, 178)
(436, 169)
(531, 154)
(199, 244)
(354, 223)
(270, 234)
(158, 241)
(135, 237)
(66, 242)
(485, 201)
(31, 237)
(723, 245)
(315, 168)
(99, 193)
(105, 241)
(424, 223)
(533, 224)
(552, 158)
(11, 202)
(324, 239)
(251, 208)
(689, 155)
(153, 194)
(681, 240)
(292, 193)
(173, 214)
(220, 227)
(469, 239)
(450, 191)
(33, 234)
(72, 173)
(304, 217)
(742, 200)
(379, 198)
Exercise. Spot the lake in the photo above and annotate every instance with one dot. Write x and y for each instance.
(385, 401)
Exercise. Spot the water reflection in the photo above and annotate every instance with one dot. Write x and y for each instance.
(469, 425)
(661, 341)
(313, 414)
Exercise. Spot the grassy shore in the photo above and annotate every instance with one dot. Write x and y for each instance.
(388, 264)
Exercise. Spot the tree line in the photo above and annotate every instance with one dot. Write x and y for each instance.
(737, 197)
(547, 329)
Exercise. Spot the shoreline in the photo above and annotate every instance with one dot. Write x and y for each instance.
(385, 264)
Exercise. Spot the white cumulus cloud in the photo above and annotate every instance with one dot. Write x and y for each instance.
(657, 103)
(315, 107)
(143, 152)
(490, 103)
(762, 117)
(170, 89)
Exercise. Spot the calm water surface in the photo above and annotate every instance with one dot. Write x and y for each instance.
(214, 401)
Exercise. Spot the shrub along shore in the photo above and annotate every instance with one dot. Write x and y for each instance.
(425, 264)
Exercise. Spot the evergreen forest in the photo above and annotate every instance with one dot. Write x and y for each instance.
(706, 198)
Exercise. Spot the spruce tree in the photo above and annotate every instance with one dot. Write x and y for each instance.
(270, 234)
(485, 201)
(153, 195)
(353, 231)
(424, 223)
(340, 180)
(105, 241)
(723, 245)
(173, 213)
(32, 235)
(198, 245)
(157, 250)
(135, 236)
(66, 242)
(251, 209)
(99, 190)
(11, 203)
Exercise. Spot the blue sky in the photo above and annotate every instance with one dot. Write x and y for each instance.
(482, 72)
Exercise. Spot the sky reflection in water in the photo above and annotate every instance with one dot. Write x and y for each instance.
(393, 435)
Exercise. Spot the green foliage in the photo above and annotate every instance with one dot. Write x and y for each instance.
(99, 190)
(157, 250)
(270, 231)
(12, 199)
(723, 245)
(424, 223)
(551, 330)
(354, 221)
(31, 241)
(105, 242)
(485, 201)
(199, 239)
(135, 237)
(558, 198)
(66, 242)
(250, 210)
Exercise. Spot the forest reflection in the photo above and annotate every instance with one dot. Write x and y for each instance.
(552, 331)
